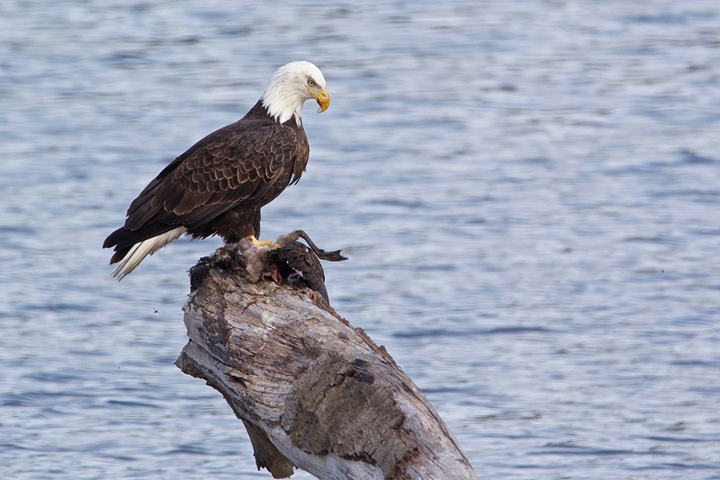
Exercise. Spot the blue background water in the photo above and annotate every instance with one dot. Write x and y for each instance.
(528, 192)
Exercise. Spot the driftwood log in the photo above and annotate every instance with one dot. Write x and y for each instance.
(312, 391)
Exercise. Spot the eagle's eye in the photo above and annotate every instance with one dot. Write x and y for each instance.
(311, 82)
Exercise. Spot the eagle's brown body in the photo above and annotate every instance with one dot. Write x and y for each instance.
(219, 185)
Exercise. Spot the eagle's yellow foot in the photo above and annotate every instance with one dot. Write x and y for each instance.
(266, 243)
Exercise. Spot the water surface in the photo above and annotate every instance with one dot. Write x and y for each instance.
(528, 192)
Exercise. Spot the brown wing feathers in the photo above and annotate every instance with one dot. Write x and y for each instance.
(231, 168)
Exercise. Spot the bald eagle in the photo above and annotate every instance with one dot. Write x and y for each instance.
(219, 185)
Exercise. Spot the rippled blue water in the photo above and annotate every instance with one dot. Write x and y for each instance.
(528, 192)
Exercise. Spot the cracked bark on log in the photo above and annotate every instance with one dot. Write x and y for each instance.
(312, 391)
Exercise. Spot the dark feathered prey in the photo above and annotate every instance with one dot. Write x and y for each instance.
(288, 260)
(220, 184)
(300, 265)
(297, 264)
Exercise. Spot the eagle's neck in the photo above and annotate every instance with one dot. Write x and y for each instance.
(284, 98)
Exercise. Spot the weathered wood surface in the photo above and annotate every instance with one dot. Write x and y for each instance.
(312, 391)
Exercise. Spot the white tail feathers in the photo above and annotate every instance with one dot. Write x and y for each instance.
(141, 250)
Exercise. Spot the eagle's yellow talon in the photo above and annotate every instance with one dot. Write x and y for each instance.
(265, 243)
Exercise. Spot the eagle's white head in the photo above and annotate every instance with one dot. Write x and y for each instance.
(290, 87)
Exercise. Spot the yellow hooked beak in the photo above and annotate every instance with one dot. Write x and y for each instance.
(323, 99)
